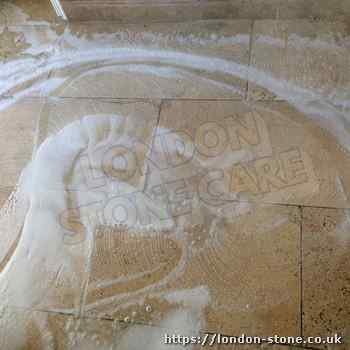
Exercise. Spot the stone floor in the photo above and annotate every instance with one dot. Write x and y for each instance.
(245, 125)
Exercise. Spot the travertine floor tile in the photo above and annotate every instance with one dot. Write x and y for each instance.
(169, 259)
(33, 330)
(16, 12)
(9, 44)
(39, 10)
(37, 330)
(58, 113)
(135, 123)
(162, 11)
(187, 10)
(312, 9)
(20, 47)
(18, 121)
(21, 41)
(237, 255)
(50, 269)
(63, 270)
(57, 276)
(296, 9)
(307, 54)
(59, 279)
(237, 274)
(158, 60)
(93, 334)
(41, 331)
(267, 152)
(326, 277)
(144, 12)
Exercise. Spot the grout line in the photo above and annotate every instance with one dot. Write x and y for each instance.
(6, 189)
(49, 77)
(122, 322)
(273, 17)
(233, 99)
(154, 133)
(135, 98)
(151, 147)
(161, 105)
(249, 58)
(301, 306)
(89, 23)
(87, 272)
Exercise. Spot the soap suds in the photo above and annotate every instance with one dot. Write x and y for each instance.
(68, 50)
(44, 192)
(185, 321)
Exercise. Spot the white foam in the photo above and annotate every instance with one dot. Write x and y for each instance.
(326, 109)
(45, 180)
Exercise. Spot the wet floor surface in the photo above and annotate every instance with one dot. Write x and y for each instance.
(214, 171)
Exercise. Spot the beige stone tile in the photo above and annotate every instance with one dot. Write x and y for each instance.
(140, 12)
(296, 9)
(310, 55)
(44, 270)
(234, 148)
(39, 10)
(56, 279)
(33, 330)
(62, 271)
(56, 276)
(64, 280)
(90, 333)
(326, 280)
(16, 12)
(58, 113)
(56, 330)
(189, 10)
(159, 60)
(125, 262)
(313, 9)
(9, 44)
(47, 282)
(23, 51)
(133, 129)
(18, 121)
(234, 274)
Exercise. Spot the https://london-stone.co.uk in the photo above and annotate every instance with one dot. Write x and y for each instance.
(211, 339)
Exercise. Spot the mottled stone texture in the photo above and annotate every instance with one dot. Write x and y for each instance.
(260, 187)
(175, 10)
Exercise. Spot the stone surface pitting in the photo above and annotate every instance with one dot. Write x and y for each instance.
(164, 10)
(304, 53)
(151, 74)
(270, 268)
(326, 278)
(17, 137)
